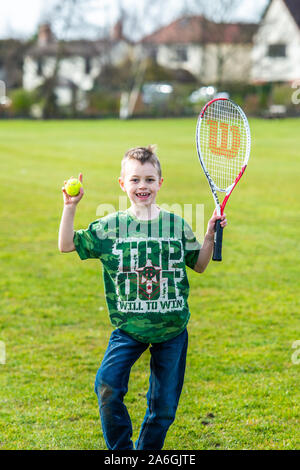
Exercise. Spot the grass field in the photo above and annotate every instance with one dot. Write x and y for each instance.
(241, 388)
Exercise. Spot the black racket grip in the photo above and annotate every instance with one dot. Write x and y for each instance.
(217, 254)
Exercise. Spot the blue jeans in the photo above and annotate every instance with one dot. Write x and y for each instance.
(167, 367)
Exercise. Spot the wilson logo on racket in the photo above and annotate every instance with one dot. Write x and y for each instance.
(223, 149)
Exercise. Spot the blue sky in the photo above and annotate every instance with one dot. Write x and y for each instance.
(19, 18)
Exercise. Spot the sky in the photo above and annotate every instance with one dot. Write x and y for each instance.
(20, 18)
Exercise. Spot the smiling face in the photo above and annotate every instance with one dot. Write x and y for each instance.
(141, 182)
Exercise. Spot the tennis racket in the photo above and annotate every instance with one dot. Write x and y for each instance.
(223, 144)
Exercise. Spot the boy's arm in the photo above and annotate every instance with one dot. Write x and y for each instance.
(66, 229)
(206, 250)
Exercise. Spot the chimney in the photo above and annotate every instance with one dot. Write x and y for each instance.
(45, 34)
(117, 31)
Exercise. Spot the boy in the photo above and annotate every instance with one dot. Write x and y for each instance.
(144, 251)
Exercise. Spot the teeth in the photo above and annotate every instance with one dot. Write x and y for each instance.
(142, 194)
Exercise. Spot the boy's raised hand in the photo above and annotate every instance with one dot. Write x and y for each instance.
(212, 222)
(72, 200)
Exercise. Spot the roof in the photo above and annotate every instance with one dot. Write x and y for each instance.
(292, 5)
(294, 8)
(83, 48)
(197, 29)
(46, 44)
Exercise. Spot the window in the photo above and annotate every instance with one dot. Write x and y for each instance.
(181, 54)
(39, 67)
(277, 50)
(87, 65)
(153, 53)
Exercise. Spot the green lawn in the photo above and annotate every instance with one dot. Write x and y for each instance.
(242, 388)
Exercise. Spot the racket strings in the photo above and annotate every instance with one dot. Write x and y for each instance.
(223, 140)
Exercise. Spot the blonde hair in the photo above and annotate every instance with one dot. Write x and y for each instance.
(143, 155)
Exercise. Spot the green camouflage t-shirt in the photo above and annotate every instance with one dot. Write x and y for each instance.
(144, 271)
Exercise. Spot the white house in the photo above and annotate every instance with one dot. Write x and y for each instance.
(78, 63)
(276, 50)
(212, 52)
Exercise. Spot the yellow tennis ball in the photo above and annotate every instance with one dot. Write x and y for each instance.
(73, 186)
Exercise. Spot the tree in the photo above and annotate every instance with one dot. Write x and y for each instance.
(68, 19)
(130, 20)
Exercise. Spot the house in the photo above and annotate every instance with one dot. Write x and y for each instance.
(276, 49)
(75, 65)
(212, 52)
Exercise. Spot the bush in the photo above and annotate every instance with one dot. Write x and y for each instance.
(22, 100)
(254, 99)
(282, 94)
(100, 102)
(179, 104)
